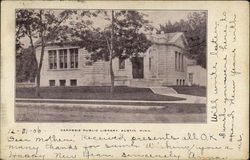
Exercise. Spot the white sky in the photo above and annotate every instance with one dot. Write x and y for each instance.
(156, 17)
(162, 17)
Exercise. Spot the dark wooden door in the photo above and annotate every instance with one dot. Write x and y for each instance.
(137, 67)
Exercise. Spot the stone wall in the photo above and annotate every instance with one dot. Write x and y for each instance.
(86, 74)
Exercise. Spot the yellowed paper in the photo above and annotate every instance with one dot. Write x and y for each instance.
(223, 135)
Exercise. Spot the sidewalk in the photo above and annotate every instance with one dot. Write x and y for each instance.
(109, 113)
(190, 99)
(191, 110)
(171, 92)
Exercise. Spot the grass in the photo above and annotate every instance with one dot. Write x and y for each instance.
(94, 92)
(169, 113)
(191, 90)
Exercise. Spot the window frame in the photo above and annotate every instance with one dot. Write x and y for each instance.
(176, 60)
(73, 58)
(150, 63)
(63, 58)
(72, 81)
(52, 59)
(62, 80)
(179, 60)
(50, 82)
(182, 62)
(121, 64)
(191, 77)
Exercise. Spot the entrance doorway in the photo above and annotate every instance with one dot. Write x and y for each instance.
(137, 67)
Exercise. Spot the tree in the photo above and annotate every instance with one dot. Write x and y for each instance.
(195, 31)
(122, 38)
(25, 66)
(43, 26)
(26, 26)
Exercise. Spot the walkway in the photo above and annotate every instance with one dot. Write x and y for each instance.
(171, 92)
(108, 111)
(189, 99)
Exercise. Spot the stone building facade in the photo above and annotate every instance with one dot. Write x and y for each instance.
(163, 64)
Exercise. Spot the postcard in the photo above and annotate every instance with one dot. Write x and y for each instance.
(124, 80)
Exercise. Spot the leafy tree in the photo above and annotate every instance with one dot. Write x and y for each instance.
(26, 26)
(25, 66)
(43, 26)
(195, 31)
(122, 38)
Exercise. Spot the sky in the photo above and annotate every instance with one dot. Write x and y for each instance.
(162, 17)
(156, 17)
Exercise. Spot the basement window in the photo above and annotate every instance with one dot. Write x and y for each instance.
(62, 82)
(73, 82)
(52, 83)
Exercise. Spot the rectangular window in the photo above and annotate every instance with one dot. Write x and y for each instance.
(73, 58)
(52, 82)
(149, 63)
(63, 58)
(52, 59)
(121, 63)
(182, 66)
(179, 61)
(73, 82)
(175, 60)
(62, 82)
(190, 78)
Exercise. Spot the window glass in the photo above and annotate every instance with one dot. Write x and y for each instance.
(190, 77)
(62, 82)
(179, 61)
(52, 59)
(52, 83)
(73, 82)
(150, 63)
(175, 60)
(121, 63)
(63, 58)
(73, 58)
(182, 66)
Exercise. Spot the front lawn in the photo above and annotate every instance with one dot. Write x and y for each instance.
(191, 90)
(94, 92)
(168, 113)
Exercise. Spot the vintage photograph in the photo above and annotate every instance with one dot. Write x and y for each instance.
(111, 66)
